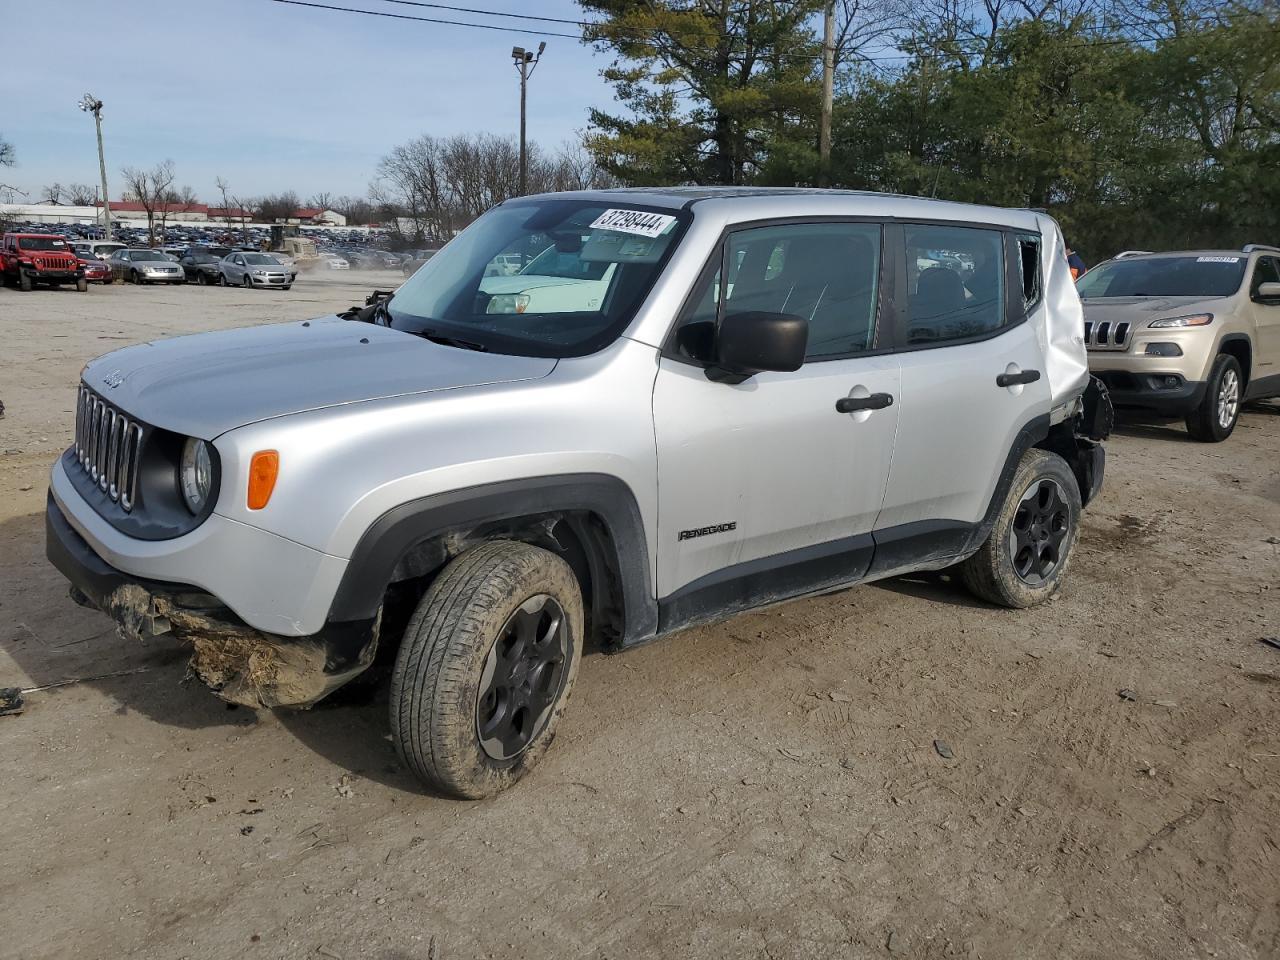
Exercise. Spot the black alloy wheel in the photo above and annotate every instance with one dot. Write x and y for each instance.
(1040, 526)
(522, 677)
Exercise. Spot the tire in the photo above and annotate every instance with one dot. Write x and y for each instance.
(246, 282)
(1219, 411)
(222, 279)
(1026, 556)
(134, 278)
(24, 282)
(109, 280)
(455, 643)
(201, 279)
(82, 285)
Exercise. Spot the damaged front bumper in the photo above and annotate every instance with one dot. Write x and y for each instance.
(238, 662)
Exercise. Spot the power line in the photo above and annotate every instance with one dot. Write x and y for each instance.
(437, 20)
(955, 43)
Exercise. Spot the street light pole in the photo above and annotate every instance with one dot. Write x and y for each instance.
(91, 104)
(525, 61)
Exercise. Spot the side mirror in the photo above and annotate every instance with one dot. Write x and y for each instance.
(751, 343)
(1268, 291)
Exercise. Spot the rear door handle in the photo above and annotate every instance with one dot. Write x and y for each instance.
(877, 401)
(1009, 379)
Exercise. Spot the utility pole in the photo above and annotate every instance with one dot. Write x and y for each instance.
(525, 61)
(828, 92)
(91, 104)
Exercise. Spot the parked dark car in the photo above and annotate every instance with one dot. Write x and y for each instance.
(201, 264)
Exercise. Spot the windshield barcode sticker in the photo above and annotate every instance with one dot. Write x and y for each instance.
(1217, 259)
(633, 221)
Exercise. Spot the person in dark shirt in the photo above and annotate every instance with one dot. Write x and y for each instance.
(1076, 263)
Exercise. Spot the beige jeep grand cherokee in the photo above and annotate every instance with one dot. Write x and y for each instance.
(1188, 333)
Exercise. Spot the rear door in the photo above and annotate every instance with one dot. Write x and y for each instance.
(972, 377)
(1266, 316)
(765, 488)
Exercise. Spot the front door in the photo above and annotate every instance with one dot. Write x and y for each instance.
(1266, 318)
(765, 488)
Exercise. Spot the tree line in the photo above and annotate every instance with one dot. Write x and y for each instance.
(1137, 123)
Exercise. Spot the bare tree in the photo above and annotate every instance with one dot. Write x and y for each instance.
(278, 206)
(231, 203)
(151, 188)
(52, 193)
(355, 209)
(80, 194)
(322, 200)
(8, 157)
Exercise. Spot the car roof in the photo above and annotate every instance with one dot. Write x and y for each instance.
(749, 203)
(1165, 254)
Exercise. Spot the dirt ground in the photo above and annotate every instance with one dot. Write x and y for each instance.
(767, 787)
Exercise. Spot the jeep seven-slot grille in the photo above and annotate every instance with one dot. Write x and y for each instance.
(109, 446)
(1106, 335)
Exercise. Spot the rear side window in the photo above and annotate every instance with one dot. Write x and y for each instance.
(955, 283)
(827, 273)
(1029, 269)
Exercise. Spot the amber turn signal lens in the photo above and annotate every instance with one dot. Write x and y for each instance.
(262, 477)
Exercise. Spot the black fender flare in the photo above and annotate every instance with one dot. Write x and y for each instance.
(393, 535)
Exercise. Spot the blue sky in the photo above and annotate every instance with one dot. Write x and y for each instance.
(273, 97)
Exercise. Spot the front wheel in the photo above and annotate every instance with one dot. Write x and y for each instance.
(82, 285)
(1215, 418)
(246, 282)
(1025, 557)
(135, 278)
(201, 279)
(485, 668)
(24, 282)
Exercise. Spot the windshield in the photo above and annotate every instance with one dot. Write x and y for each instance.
(555, 278)
(42, 243)
(1210, 275)
(148, 255)
(261, 260)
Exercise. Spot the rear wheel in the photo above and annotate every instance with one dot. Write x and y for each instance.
(485, 668)
(1026, 555)
(1215, 418)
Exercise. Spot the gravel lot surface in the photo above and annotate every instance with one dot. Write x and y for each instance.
(764, 787)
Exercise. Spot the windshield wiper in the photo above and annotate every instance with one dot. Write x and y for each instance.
(448, 341)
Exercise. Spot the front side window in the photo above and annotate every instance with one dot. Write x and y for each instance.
(826, 273)
(557, 277)
(1203, 275)
(955, 283)
(1267, 270)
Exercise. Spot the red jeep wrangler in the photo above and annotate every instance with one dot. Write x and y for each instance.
(31, 258)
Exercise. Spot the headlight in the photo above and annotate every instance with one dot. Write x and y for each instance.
(508, 303)
(195, 476)
(1195, 320)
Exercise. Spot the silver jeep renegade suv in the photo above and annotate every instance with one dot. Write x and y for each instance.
(592, 417)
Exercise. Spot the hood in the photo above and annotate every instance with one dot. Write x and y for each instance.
(523, 281)
(209, 383)
(1142, 310)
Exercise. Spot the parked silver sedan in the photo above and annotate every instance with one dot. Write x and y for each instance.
(255, 270)
(145, 266)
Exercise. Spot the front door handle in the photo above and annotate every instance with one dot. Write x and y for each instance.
(877, 401)
(1025, 376)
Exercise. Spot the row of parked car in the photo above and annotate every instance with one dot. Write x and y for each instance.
(29, 260)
